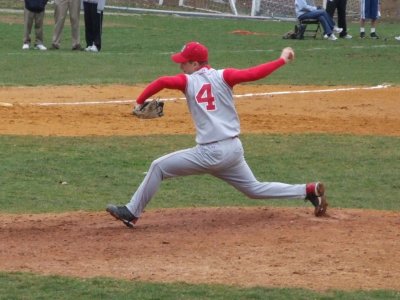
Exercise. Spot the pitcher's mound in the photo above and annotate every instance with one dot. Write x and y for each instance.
(280, 247)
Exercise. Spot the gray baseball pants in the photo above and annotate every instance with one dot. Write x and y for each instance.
(224, 160)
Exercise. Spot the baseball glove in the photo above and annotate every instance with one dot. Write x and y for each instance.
(149, 109)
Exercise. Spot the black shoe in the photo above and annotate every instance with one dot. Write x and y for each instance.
(122, 213)
(362, 35)
(77, 48)
(315, 193)
(54, 47)
(373, 35)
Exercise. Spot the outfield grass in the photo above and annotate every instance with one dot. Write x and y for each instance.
(136, 49)
(29, 286)
(108, 169)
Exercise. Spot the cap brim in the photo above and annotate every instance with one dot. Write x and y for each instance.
(178, 58)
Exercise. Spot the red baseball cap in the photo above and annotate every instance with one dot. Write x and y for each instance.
(192, 51)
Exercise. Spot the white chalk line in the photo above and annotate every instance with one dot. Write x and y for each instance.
(133, 53)
(380, 86)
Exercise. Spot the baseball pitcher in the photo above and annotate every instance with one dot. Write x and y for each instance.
(219, 151)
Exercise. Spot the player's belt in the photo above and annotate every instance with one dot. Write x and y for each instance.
(230, 138)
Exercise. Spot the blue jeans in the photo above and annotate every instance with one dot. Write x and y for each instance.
(322, 16)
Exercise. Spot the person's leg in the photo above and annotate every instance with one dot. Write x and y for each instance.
(39, 17)
(362, 19)
(28, 22)
(88, 23)
(341, 9)
(236, 172)
(93, 24)
(328, 19)
(74, 14)
(60, 12)
(180, 163)
(363, 8)
(98, 22)
(331, 6)
(242, 178)
(374, 11)
(239, 175)
(373, 29)
(319, 15)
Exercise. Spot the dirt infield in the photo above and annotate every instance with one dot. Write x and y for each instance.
(281, 247)
(370, 112)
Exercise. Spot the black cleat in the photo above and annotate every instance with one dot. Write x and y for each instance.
(122, 213)
(373, 35)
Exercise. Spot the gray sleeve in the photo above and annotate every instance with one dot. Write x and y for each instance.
(302, 7)
(100, 5)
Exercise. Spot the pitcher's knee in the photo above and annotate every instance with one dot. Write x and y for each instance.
(156, 170)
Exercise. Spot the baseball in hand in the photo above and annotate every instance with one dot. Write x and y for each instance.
(287, 54)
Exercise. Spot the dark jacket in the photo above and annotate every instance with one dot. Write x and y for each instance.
(36, 6)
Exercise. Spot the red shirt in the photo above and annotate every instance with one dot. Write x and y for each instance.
(231, 76)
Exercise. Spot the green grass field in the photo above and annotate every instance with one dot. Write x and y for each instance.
(29, 286)
(109, 169)
(136, 49)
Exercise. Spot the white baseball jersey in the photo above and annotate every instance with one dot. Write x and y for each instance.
(210, 102)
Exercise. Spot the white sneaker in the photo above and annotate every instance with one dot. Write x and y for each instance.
(397, 38)
(25, 47)
(331, 37)
(337, 29)
(347, 36)
(40, 47)
(94, 49)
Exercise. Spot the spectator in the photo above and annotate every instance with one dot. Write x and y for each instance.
(34, 12)
(93, 12)
(369, 10)
(305, 9)
(61, 7)
(340, 5)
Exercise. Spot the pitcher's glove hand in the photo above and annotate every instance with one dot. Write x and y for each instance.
(149, 110)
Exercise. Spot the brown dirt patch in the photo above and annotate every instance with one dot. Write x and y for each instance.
(283, 247)
(366, 112)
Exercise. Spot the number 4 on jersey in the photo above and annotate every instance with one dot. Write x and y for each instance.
(205, 96)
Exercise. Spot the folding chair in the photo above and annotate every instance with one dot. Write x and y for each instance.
(312, 27)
